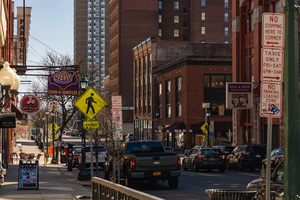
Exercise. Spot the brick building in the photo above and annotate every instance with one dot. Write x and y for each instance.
(134, 21)
(168, 106)
(248, 126)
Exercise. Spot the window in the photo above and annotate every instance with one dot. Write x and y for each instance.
(273, 6)
(160, 32)
(225, 3)
(159, 98)
(176, 32)
(202, 2)
(160, 18)
(203, 16)
(176, 19)
(159, 4)
(226, 17)
(202, 30)
(226, 31)
(178, 97)
(176, 5)
(168, 98)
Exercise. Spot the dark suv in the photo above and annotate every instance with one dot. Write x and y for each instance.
(246, 156)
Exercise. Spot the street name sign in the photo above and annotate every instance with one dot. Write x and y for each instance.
(90, 103)
(272, 64)
(271, 99)
(273, 30)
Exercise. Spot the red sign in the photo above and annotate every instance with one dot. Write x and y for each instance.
(271, 99)
(30, 104)
(273, 30)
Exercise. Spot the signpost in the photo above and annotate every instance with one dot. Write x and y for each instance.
(271, 71)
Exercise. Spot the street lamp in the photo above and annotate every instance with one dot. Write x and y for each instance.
(83, 175)
(53, 115)
(207, 113)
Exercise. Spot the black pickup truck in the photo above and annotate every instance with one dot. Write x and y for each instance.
(144, 161)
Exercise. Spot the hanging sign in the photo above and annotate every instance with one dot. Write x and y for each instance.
(30, 104)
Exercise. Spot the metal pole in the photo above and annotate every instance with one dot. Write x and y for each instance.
(47, 137)
(269, 146)
(291, 102)
(53, 157)
(92, 152)
(208, 131)
(118, 159)
(43, 146)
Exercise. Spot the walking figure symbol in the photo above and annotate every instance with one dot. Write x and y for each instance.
(89, 101)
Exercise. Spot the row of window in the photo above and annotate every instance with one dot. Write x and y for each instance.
(176, 4)
(203, 32)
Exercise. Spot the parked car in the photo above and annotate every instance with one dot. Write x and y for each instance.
(144, 161)
(226, 150)
(276, 156)
(102, 153)
(276, 182)
(246, 156)
(204, 158)
(76, 154)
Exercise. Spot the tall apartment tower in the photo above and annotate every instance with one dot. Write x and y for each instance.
(91, 38)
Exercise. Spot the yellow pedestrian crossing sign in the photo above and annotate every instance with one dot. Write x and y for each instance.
(90, 103)
(204, 127)
(56, 127)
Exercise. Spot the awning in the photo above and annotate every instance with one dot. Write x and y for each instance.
(222, 126)
(19, 114)
(175, 127)
(197, 127)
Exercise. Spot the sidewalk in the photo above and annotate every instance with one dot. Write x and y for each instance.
(55, 181)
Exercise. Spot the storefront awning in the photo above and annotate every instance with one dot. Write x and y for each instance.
(197, 127)
(222, 126)
(19, 114)
(175, 127)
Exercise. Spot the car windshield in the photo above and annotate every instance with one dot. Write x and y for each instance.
(140, 147)
(209, 152)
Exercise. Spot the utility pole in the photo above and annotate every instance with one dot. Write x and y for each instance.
(291, 102)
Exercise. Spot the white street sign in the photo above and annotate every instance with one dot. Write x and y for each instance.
(117, 117)
(273, 30)
(271, 99)
(272, 64)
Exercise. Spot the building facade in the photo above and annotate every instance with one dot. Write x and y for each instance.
(248, 126)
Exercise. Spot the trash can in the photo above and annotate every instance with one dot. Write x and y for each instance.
(218, 194)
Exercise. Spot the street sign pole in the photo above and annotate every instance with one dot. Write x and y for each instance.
(291, 103)
(269, 145)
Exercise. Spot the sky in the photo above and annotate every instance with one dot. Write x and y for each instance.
(51, 29)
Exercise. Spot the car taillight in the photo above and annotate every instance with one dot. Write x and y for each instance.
(201, 156)
(132, 163)
(222, 156)
(178, 162)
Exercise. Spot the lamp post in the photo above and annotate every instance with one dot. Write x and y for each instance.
(207, 113)
(53, 115)
(43, 146)
(47, 114)
(83, 175)
(9, 81)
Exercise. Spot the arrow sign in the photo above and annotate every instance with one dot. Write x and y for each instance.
(272, 64)
(273, 30)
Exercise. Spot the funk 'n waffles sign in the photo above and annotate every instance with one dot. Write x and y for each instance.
(64, 82)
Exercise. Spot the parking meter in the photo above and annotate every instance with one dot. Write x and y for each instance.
(70, 157)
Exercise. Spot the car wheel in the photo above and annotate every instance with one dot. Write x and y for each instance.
(222, 170)
(184, 166)
(173, 183)
(128, 181)
(240, 166)
(228, 167)
(195, 167)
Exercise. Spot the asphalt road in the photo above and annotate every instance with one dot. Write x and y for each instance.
(192, 185)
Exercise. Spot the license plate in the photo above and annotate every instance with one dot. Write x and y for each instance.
(212, 159)
(257, 156)
(156, 173)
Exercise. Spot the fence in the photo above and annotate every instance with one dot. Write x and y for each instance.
(106, 190)
(216, 194)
